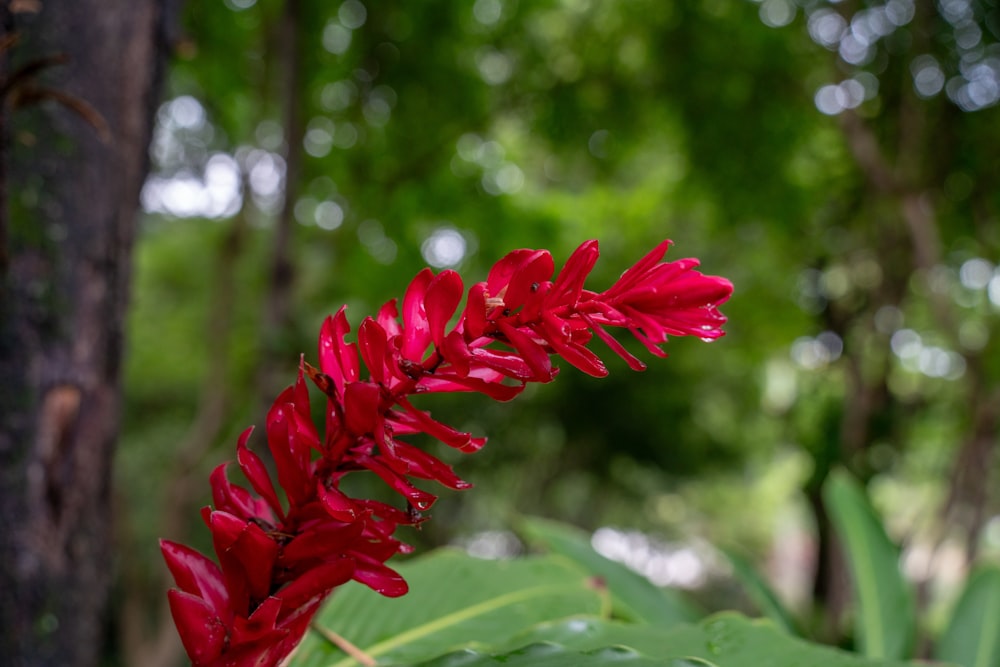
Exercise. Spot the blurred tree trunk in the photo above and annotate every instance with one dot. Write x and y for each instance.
(75, 150)
(276, 318)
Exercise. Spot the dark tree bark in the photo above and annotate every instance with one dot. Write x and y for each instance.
(76, 137)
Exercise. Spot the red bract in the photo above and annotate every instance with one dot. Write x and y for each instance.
(277, 562)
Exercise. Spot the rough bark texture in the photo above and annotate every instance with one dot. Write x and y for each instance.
(76, 158)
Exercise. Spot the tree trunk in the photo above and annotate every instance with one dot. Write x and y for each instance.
(76, 137)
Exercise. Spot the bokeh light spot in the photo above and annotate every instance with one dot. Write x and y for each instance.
(444, 248)
(240, 5)
(336, 38)
(976, 273)
(826, 27)
(928, 77)
(487, 12)
(777, 13)
(318, 138)
(352, 14)
(338, 95)
(328, 215)
(494, 66)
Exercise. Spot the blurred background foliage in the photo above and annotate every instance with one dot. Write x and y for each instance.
(836, 160)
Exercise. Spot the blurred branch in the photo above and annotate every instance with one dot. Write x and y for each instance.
(970, 477)
(275, 322)
(867, 153)
(915, 205)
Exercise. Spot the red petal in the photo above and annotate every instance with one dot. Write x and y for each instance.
(415, 325)
(569, 284)
(420, 464)
(379, 578)
(536, 268)
(554, 331)
(235, 499)
(196, 574)
(633, 362)
(456, 352)
(688, 290)
(247, 556)
(261, 626)
(340, 507)
(419, 498)
(202, 632)
(492, 388)
(317, 581)
(372, 341)
(443, 296)
(282, 438)
(300, 393)
(256, 472)
(388, 318)
(337, 358)
(320, 542)
(641, 327)
(474, 320)
(391, 514)
(446, 434)
(502, 272)
(510, 364)
(637, 274)
(536, 301)
(533, 354)
(361, 407)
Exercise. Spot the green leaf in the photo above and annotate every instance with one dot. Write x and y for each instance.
(884, 619)
(723, 640)
(454, 601)
(761, 593)
(539, 611)
(727, 640)
(973, 635)
(552, 655)
(633, 597)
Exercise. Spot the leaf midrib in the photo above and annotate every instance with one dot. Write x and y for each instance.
(456, 617)
(869, 590)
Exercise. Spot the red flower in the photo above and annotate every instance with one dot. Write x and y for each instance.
(277, 563)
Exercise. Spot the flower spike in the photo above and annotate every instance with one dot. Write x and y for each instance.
(278, 562)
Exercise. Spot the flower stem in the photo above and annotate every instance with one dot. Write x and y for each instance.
(347, 647)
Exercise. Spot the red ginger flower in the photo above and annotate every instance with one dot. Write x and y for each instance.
(276, 563)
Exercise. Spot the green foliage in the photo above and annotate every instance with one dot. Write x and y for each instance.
(453, 600)
(885, 610)
(972, 638)
(726, 639)
(522, 612)
(632, 597)
(884, 614)
(761, 593)
(627, 122)
(553, 655)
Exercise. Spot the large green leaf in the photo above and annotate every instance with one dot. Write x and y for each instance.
(553, 655)
(633, 596)
(885, 615)
(761, 593)
(973, 635)
(723, 640)
(454, 601)
(727, 640)
(464, 612)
